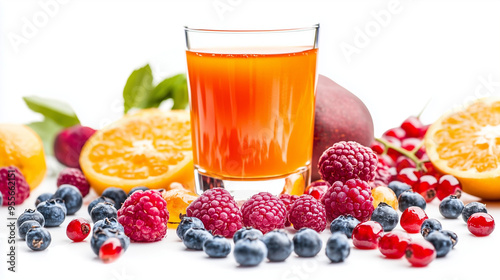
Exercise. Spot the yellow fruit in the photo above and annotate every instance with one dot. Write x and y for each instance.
(384, 194)
(294, 185)
(150, 148)
(22, 147)
(177, 202)
(466, 144)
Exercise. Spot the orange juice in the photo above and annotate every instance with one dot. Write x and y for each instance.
(252, 115)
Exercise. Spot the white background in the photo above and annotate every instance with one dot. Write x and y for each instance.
(405, 53)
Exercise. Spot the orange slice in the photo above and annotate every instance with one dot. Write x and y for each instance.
(177, 202)
(22, 147)
(466, 144)
(150, 148)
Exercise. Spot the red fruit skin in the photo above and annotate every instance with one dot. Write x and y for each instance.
(412, 126)
(412, 218)
(352, 198)
(408, 175)
(78, 229)
(403, 162)
(9, 176)
(426, 186)
(447, 185)
(69, 142)
(420, 253)
(367, 234)
(481, 224)
(110, 250)
(348, 120)
(317, 189)
(393, 244)
(396, 132)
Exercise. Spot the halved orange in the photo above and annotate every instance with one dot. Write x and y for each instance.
(149, 148)
(466, 144)
(22, 147)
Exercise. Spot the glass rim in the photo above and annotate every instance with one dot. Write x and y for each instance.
(250, 31)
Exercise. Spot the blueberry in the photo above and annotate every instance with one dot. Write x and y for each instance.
(398, 187)
(98, 200)
(195, 237)
(38, 238)
(102, 234)
(441, 242)
(429, 226)
(246, 232)
(471, 208)
(72, 197)
(337, 247)
(27, 225)
(249, 251)
(217, 247)
(386, 216)
(187, 223)
(52, 211)
(108, 223)
(60, 202)
(451, 207)
(103, 210)
(345, 224)
(410, 198)
(117, 195)
(307, 243)
(279, 246)
(140, 188)
(31, 214)
(43, 197)
(453, 236)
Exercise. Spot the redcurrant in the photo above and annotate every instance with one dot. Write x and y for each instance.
(412, 126)
(393, 244)
(420, 252)
(110, 250)
(366, 235)
(317, 189)
(426, 186)
(396, 132)
(412, 218)
(409, 176)
(481, 224)
(78, 229)
(448, 185)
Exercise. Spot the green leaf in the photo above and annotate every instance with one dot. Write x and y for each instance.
(138, 87)
(58, 111)
(174, 87)
(47, 129)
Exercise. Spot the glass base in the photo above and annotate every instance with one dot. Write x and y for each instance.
(242, 188)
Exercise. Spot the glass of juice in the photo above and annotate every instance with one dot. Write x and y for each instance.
(252, 98)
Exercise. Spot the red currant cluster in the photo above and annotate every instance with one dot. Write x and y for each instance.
(402, 156)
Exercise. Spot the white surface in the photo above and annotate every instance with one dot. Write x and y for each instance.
(85, 50)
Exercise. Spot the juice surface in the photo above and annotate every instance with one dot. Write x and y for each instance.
(252, 115)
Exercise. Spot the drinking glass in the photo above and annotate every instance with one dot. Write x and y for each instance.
(252, 98)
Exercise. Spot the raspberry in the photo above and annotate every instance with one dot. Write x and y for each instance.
(350, 198)
(74, 177)
(11, 175)
(144, 216)
(264, 212)
(218, 211)
(307, 211)
(347, 160)
(288, 200)
(382, 176)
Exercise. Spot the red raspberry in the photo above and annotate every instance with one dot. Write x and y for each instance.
(308, 212)
(12, 176)
(353, 198)
(218, 211)
(382, 176)
(347, 160)
(264, 212)
(144, 216)
(288, 200)
(74, 177)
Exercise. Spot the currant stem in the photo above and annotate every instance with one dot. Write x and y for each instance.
(409, 154)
